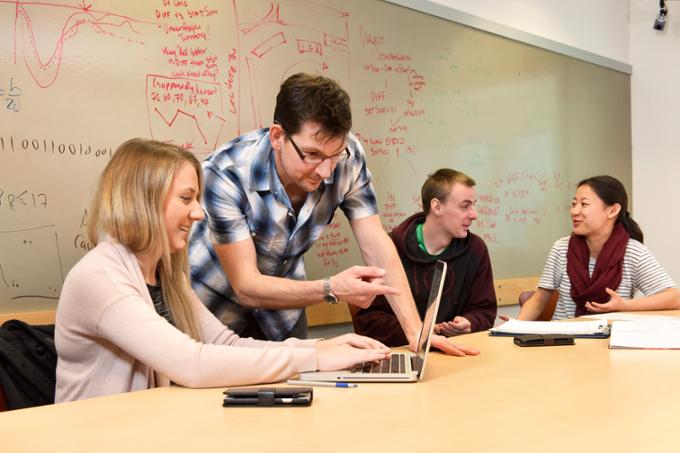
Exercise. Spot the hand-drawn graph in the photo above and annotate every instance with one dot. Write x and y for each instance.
(43, 55)
(281, 39)
(188, 108)
(21, 252)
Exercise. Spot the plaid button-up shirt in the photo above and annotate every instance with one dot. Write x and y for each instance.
(244, 198)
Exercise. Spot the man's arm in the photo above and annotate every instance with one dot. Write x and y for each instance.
(378, 250)
(479, 313)
(357, 285)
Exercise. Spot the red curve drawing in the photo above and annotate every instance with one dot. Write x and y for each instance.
(44, 73)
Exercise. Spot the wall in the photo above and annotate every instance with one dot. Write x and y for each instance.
(655, 96)
(598, 26)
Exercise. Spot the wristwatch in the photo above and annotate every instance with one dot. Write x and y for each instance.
(328, 295)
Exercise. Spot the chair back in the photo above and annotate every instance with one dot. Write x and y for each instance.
(549, 309)
(28, 363)
(3, 401)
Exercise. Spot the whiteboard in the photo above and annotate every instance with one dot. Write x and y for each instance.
(79, 78)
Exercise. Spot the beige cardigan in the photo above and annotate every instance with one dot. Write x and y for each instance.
(111, 340)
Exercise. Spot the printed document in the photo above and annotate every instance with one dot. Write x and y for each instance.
(652, 334)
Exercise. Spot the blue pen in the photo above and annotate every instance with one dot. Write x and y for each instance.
(322, 384)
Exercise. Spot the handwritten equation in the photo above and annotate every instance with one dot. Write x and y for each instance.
(519, 199)
(22, 199)
(185, 104)
(51, 147)
(196, 103)
(331, 246)
(11, 96)
(387, 145)
(394, 95)
(391, 214)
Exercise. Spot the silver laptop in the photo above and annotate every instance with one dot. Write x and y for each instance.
(399, 367)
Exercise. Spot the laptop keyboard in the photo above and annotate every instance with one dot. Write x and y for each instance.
(395, 364)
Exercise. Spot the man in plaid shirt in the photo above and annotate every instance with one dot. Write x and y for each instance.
(269, 195)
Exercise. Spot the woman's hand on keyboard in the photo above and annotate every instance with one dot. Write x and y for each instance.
(347, 350)
(358, 341)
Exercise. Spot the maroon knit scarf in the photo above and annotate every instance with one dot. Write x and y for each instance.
(608, 268)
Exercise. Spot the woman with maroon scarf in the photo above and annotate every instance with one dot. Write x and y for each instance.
(603, 262)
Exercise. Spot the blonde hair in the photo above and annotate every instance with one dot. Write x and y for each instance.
(129, 205)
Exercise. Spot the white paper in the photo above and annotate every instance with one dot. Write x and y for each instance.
(645, 334)
(622, 316)
(514, 326)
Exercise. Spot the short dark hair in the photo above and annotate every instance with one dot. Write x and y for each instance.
(305, 97)
(439, 184)
(611, 191)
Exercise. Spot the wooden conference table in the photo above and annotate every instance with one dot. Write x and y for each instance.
(568, 398)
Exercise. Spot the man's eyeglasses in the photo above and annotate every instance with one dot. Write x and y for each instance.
(316, 159)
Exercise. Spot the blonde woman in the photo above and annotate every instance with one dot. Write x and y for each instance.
(127, 318)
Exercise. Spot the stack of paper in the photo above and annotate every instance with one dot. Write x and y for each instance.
(595, 329)
(652, 334)
(627, 316)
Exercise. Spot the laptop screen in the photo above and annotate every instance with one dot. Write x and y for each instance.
(430, 313)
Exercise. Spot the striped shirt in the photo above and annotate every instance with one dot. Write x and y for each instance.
(641, 272)
(244, 198)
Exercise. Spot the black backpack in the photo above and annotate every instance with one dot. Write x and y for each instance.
(28, 364)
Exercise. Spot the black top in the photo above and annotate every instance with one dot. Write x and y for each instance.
(156, 293)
